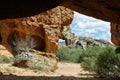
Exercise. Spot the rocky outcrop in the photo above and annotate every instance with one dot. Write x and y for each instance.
(73, 41)
(115, 30)
(40, 32)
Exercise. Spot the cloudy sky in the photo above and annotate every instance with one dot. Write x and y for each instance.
(87, 26)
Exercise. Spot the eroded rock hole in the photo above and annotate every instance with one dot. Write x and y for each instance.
(22, 42)
(40, 43)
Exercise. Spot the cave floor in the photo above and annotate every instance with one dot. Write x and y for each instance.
(65, 71)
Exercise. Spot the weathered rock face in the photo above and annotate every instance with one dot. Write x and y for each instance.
(40, 32)
(115, 36)
(44, 28)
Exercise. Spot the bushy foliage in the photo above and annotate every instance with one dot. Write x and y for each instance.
(88, 57)
(89, 64)
(62, 53)
(68, 55)
(77, 54)
(108, 63)
(89, 52)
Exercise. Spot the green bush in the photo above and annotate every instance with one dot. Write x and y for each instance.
(62, 53)
(68, 55)
(89, 52)
(77, 55)
(108, 63)
(74, 54)
(89, 64)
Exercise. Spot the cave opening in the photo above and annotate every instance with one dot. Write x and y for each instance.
(23, 41)
(40, 43)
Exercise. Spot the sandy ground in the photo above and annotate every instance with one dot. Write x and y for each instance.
(65, 71)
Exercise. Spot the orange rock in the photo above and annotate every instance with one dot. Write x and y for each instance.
(44, 28)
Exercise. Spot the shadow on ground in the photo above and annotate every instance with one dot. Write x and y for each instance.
(14, 77)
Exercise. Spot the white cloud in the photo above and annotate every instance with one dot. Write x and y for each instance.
(87, 26)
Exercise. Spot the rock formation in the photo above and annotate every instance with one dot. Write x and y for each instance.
(73, 41)
(40, 32)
